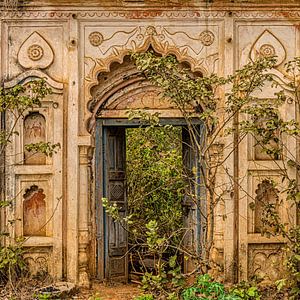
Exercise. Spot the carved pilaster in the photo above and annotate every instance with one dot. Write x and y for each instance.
(84, 204)
(83, 258)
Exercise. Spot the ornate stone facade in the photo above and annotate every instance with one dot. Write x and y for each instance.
(74, 45)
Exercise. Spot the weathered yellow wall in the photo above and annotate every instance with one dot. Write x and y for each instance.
(170, 3)
(85, 37)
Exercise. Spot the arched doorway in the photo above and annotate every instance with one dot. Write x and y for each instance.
(123, 89)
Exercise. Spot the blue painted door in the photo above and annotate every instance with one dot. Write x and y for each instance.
(112, 264)
(112, 239)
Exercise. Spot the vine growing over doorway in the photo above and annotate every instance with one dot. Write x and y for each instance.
(200, 97)
(232, 111)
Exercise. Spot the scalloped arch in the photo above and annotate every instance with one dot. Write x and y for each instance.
(104, 65)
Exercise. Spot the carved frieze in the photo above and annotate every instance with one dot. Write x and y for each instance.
(197, 13)
(195, 45)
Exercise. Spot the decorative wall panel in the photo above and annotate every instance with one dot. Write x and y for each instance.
(39, 261)
(36, 47)
(266, 262)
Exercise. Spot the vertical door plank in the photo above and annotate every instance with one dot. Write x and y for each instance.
(116, 234)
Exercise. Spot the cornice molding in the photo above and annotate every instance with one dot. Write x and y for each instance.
(141, 13)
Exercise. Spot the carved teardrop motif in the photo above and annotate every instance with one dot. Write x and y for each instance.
(35, 52)
(267, 45)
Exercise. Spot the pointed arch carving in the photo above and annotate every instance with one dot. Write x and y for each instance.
(104, 65)
(30, 75)
(266, 194)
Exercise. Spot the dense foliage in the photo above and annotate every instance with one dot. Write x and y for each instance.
(198, 97)
(154, 179)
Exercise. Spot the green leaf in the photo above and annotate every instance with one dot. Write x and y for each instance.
(252, 291)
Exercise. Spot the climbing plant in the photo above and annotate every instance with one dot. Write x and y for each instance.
(14, 103)
(199, 97)
(240, 115)
(155, 185)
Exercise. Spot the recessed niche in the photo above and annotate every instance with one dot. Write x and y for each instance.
(34, 132)
(34, 212)
(266, 194)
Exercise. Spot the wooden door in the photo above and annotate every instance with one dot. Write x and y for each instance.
(112, 235)
(194, 204)
(112, 240)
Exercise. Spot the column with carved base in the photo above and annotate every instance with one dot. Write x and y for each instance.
(84, 204)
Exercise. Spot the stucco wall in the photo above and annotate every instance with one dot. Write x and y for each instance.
(74, 42)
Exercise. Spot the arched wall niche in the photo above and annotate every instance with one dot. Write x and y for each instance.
(122, 88)
(266, 194)
(34, 132)
(34, 212)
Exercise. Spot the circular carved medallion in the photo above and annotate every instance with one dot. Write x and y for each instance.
(96, 38)
(206, 37)
(267, 50)
(161, 37)
(139, 37)
(35, 52)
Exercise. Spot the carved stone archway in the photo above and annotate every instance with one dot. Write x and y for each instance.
(124, 88)
(198, 48)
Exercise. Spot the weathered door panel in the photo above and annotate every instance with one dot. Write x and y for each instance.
(115, 190)
(194, 203)
(100, 213)
(112, 240)
(111, 236)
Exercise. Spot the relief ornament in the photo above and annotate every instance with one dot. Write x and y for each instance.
(35, 52)
(206, 37)
(267, 50)
(96, 38)
(267, 45)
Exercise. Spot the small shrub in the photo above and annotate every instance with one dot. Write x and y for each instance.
(95, 296)
(205, 288)
(44, 296)
(12, 263)
(246, 291)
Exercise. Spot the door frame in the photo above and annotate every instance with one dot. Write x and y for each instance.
(100, 177)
